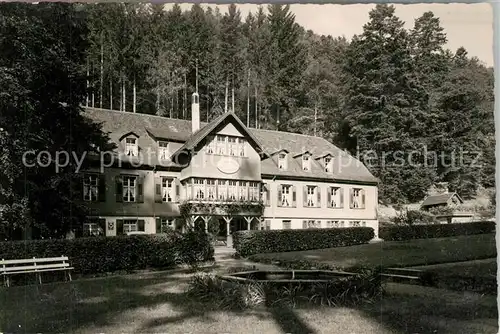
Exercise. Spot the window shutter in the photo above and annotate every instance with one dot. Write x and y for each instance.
(304, 224)
(351, 198)
(158, 225)
(119, 188)
(141, 225)
(305, 196)
(329, 197)
(177, 190)
(119, 226)
(294, 196)
(158, 198)
(140, 189)
(363, 198)
(102, 225)
(341, 195)
(318, 193)
(268, 195)
(279, 195)
(102, 188)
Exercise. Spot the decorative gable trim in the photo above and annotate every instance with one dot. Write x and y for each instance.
(325, 155)
(303, 153)
(279, 151)
(128, 134)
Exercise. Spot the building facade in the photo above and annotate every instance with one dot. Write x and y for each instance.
(224, 172)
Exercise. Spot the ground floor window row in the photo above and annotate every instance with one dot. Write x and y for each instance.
(307, 224)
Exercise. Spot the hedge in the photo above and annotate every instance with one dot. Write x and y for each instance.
(95, 255)
(273, 241)
(398, 233)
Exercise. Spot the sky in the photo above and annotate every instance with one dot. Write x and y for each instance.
(467, 25)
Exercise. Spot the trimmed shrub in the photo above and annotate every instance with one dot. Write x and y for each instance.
(412, 217)
(194, 247)
(96, 255)
(273, 241)
(398, 233)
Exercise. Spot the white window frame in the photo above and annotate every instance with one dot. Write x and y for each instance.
(129, 188)
(211, 147)
(335, 194)
(241, 147)
(91, 188)
(222, 190)
(92, 229)
(130, 225)
(242, 191)
(199, 189)
(282, 161)
(211, 189)
(131, 146)
(167, 224)
(221, 144)
(232, 192)
(254, 191)
(286, 195)
(167, 189)
(306, 163)
(283, 222)
(232, 143)
(328, 164)
(356, 198)
(311, 196)
(163, 153)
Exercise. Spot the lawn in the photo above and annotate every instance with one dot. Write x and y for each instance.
(156, 302)
(394, 253)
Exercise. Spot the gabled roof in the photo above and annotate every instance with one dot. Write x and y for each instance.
(439, 199)
(324, 155)
(344, 166)
(302, 153)
(201, 134)
(128, 134)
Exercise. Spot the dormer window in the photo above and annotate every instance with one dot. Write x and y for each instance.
(306, 162)
(131, 147)
(282, 161)
(328, 164)
(163, 150)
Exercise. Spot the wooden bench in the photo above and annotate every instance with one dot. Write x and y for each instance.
(35, 266)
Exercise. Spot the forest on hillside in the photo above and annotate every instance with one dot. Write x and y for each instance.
(389, 89)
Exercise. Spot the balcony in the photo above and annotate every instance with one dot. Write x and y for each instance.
(222, 207)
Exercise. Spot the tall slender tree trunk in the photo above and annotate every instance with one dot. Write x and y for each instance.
(124, 96)
(110, 94)
(315, 117)
(256, 109)
(102, 72)
(171, 106)
(248, 98)
(134, 96)
(226, 94)
(158, 100)
(232, 94)
(120, 87)
(184, 111)
(176, 103)
(93, 85)
(88, 85)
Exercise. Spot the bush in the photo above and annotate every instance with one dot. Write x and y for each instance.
(397, 233)
(107, 254)
(274, 241)
(412, 217)
(194, 247)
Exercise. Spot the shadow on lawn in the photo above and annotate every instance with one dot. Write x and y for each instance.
(69, 307)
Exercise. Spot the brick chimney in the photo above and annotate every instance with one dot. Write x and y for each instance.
(195, 113)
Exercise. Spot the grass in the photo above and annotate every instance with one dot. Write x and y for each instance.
(393, 253)
(158, 302)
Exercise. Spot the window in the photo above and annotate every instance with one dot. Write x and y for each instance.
(311, 224)
(241, 146)
(222, 189)
(282, 161)
(328, 164)
(167, 190)
(264, 193)
(211, 145)
(243, 191)
(357, 198)
(265, 225)
(166, 225)
(130, 226)
(92, 229)
(287, 224)
(356, 223)
(232, 191)
(285, 195)
(253, 191)
(211, 189)
(310, 200)
(233, 146)
(363, 224)
(306, 162)
(199, 189)
(221, 144)
(129, 188)
(335, 197)
(163, 150)
(332, 224)
(90, 188)
(131, 148)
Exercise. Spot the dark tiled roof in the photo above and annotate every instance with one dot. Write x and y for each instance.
(439, 199)
(345, 167)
